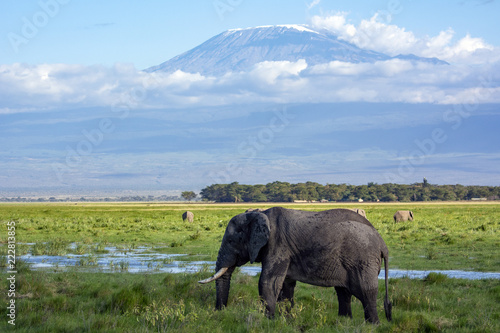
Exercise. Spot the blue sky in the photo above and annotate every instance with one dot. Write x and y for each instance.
(77, 113)
(146, 33)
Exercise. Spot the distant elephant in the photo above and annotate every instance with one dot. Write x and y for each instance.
(253, 210)
(334, 248)
(359, 211)
(403, 215)
(188, 216)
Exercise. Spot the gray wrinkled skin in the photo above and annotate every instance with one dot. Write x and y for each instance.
(335, 248)
(403, 215)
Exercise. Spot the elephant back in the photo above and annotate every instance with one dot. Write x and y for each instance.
(188, 216)
(403, 215)
(331, 216)
(257, 210)
(342, 214)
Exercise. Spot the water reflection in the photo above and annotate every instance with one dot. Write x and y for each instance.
(396, 273)
(141, 260)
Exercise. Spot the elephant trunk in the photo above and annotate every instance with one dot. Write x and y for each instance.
(222, 286)
(222, 283)
(226, 263)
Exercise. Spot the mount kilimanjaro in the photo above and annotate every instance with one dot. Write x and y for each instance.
(239, 49)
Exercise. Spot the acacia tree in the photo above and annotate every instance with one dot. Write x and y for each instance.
(188, 195)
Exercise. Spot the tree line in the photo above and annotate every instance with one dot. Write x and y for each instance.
(310, 191)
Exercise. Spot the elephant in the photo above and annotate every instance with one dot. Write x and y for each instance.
(253, 210)
(403, 215)
(359, 211)
(333, 248)
(188, 216)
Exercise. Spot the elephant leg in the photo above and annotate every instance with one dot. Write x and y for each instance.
(270, 286)
(344, 297)
(287, 292)
(369, 301)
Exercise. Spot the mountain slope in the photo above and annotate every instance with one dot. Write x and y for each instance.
(239, 49)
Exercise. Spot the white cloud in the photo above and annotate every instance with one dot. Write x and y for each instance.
(369, 34)
(466, 50)
(393, 40)
(473, 76)
(312, 4)
(271, 71)
(387, 68)
(336, 24)
(49, 85)
(340, 68)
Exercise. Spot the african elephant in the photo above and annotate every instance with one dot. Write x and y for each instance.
(403, 215)
(334, 248)
(253, 210)
(188, 216)
(359, 211)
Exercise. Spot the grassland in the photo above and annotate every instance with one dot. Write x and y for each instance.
(443, 236)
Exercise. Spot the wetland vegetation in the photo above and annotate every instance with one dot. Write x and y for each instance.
(443, 236)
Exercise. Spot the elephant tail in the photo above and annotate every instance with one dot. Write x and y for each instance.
(387, 303)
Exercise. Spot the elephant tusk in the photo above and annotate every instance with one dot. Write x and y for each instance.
(215, 276)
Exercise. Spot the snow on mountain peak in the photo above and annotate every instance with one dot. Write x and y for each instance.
(302, 28)
(299, 27)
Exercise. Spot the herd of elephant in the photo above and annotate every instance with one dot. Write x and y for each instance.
(336, 248)
(399, 216)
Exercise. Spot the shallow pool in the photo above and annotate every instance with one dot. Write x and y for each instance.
(143, 259)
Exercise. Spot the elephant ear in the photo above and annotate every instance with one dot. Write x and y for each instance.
(259, 234)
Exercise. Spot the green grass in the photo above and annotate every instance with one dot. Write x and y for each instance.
(124, 302)
(442, 236)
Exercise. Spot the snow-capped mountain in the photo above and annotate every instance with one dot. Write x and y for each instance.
(239, 49)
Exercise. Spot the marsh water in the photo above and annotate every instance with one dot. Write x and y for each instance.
(143, 259)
